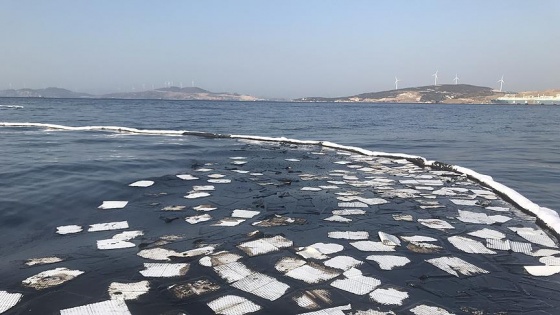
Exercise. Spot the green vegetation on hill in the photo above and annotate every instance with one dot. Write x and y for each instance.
(446, 93)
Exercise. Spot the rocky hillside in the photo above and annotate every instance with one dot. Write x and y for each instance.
(50, 92)
(177, 93)
(446, 93)
(169, 93)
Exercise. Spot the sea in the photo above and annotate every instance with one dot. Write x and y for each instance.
(52, 177)
(516, 144)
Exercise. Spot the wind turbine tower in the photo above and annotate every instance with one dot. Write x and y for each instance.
(435, 77)
(396, 83)
(456, 79)
(501, 81)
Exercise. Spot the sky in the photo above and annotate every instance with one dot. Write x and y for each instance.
(278, 49)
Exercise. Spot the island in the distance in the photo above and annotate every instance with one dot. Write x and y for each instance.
(167, 93)
(447, 94)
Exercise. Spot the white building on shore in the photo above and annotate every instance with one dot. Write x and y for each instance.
(528, 99)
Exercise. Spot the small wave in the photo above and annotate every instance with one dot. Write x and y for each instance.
(11, 106)
(546, 216)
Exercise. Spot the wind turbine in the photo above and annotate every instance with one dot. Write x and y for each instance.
(501, 81)
(435, 77)
(396, 83)
(456, 79)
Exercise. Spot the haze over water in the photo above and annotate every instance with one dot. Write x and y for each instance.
(488, 256)
(287, 49)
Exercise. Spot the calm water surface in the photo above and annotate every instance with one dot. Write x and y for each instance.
(51, 178)
(44, 172)
(517, 145)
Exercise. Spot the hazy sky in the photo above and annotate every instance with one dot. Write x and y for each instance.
(278, 48)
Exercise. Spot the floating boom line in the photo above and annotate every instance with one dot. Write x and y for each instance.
(546, 217)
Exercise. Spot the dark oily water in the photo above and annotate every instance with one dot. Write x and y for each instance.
(234, 227)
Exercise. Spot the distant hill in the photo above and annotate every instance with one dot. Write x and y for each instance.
(177, 93)
(51, 92)
(168, 93)
(445, 93)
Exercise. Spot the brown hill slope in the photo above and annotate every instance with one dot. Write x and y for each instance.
(446, 93)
